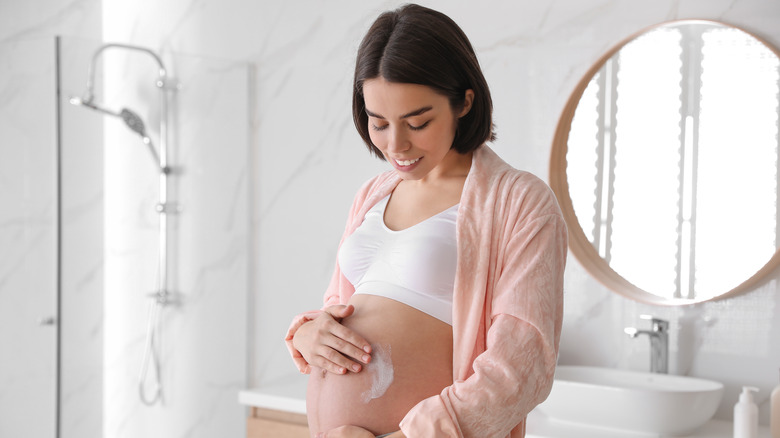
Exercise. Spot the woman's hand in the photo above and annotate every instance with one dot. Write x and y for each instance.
(327, 344)
(346, 432)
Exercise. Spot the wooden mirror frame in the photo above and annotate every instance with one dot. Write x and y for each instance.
(579, 244)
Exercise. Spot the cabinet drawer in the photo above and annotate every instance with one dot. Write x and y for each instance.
(269, 423)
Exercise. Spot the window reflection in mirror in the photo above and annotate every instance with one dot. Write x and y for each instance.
(672, 159)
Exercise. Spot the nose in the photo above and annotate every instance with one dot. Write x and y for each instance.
(397, 141)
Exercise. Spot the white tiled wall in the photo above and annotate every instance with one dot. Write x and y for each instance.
(307, 161)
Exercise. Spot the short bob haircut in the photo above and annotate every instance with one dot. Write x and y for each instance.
(417, 45)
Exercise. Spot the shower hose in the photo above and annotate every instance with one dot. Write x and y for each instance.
(151, 357)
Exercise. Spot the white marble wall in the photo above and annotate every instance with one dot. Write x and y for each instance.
(307, 161)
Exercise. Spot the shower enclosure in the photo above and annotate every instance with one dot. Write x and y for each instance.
(79, 228)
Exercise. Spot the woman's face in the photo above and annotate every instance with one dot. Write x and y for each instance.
(413, 126)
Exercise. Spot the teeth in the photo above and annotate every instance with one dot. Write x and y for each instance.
(407, 162)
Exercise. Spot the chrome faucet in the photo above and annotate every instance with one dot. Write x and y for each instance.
(659, 343)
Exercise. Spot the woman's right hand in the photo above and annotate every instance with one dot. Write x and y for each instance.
(327, 344)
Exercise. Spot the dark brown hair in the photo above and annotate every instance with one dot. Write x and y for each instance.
(417, 45)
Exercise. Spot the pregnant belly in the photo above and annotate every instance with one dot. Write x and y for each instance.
(411, 360)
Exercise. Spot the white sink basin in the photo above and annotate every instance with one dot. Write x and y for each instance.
(628, 400)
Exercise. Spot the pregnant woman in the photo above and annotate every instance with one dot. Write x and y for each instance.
(443, 315)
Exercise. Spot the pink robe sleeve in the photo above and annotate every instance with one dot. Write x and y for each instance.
(515, 372)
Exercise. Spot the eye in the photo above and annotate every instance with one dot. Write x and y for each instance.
(378, 128)
(420, 127)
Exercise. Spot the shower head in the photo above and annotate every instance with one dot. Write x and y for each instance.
(131, 119)
(136, 124)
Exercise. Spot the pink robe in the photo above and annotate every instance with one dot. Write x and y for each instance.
(507, 303)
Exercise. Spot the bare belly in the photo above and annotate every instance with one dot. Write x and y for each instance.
(411, 360)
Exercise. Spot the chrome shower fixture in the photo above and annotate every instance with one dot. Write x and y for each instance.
(162, 295)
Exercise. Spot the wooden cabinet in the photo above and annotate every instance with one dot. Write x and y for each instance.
(270, 423)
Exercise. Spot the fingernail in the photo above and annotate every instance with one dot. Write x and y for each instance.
(366, 358)
(367, 349)
(342, 370)
(356, 368)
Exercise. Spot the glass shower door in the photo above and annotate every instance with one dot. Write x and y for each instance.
(28, 239)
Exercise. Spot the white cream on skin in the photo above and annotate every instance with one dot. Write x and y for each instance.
(381, 370)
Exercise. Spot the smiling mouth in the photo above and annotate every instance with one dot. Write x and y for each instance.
(405, 163)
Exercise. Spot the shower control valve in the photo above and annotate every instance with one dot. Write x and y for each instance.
(165, 297)
(168, 84)
(160, 296)
(167, 207)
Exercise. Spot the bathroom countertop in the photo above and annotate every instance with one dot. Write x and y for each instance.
(289, 395)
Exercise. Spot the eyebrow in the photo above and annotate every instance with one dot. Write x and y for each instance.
(416, 112)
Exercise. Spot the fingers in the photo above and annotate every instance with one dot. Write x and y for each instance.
(356, 345)
(336, 351)
(327, 344)
(352, 344)
(332, 361)
(340, 311)
(345, 354)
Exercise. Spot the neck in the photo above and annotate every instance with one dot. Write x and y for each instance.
(454, 166)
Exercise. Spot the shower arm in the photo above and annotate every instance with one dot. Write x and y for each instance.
(162, 74)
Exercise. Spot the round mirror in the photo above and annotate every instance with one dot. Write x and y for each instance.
(665, 163)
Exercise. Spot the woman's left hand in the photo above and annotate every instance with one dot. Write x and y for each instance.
(346, 432)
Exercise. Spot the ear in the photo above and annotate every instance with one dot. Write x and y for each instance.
(468, 101)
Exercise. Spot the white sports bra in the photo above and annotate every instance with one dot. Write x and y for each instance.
(415, 266)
